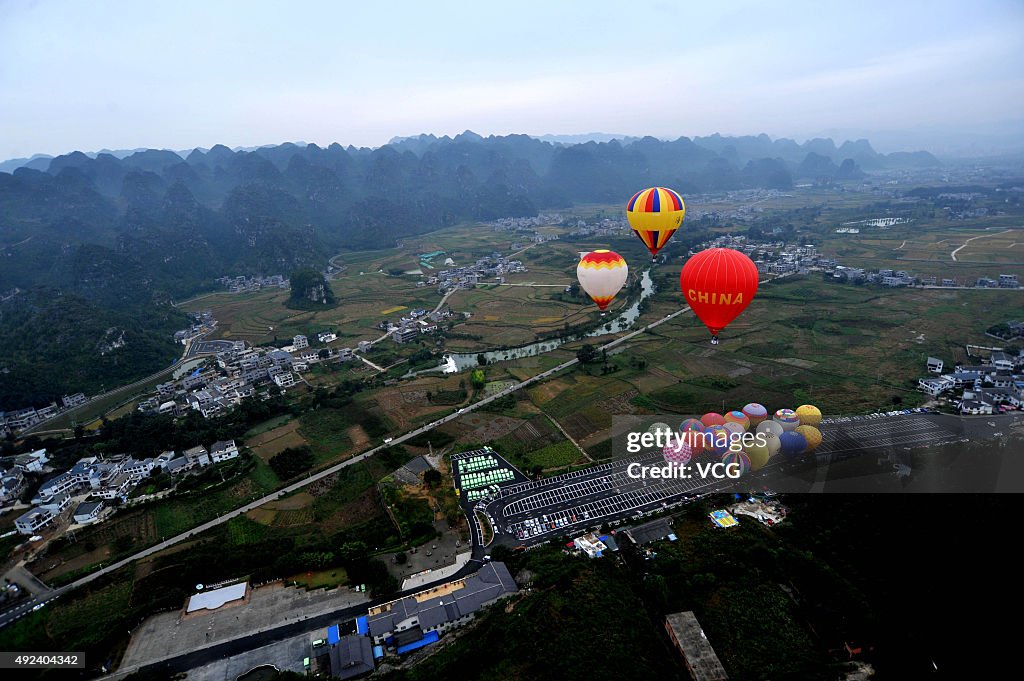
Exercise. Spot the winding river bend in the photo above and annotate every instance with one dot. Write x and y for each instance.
(454, 362)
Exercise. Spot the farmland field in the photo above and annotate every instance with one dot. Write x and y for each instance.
(271, 442)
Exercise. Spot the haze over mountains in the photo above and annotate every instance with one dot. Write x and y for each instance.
(114, 240)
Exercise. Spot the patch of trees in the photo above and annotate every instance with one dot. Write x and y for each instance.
(150, 434)
(292, 462)
(310, 290)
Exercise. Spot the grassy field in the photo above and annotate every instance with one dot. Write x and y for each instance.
(326, 431)
(322, 579)
(557, 455)
(267, 443)
(369, 293)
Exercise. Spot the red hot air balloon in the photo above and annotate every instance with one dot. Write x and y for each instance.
(718, 284)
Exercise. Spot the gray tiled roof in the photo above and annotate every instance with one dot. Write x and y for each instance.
(352, 656)
(487, 584)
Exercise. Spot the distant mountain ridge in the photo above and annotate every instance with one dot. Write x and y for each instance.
(756, 146)
(123, 236)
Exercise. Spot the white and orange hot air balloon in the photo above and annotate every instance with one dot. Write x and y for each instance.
(602, 274)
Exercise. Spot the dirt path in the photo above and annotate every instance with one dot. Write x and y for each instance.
(981, 236)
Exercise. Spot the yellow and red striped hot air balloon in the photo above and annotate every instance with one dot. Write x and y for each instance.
(602, 274)
(655, 214)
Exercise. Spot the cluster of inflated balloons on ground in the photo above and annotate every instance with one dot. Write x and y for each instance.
(747, 437)
(718, 283)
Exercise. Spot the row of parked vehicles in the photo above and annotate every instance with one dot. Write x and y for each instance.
(879, 415)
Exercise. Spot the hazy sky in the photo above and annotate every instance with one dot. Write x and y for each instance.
(89, 75)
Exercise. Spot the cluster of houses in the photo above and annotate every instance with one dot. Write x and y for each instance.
(602, 227)
(525, 224)
(416, 323)
(748, 210)
(776, 257)
(884, 277)
(1004, 281)
(13, 422)
(996, 386)
(494, 266)
(781, 258)
(103, 480)
(202, 323)
(244, 284)
(242, 371)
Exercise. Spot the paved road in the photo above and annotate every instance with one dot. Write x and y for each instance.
(4, 620)
(191, 352)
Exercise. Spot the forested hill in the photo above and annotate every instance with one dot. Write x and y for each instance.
(100, 244)
(172, 224)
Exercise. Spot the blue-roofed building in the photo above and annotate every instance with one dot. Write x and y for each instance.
(427, 639)
(440, 613)
(362, 626)
(333, 635)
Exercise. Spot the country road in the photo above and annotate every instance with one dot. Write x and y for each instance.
(187, 354)
(980, 236)
(167, 543)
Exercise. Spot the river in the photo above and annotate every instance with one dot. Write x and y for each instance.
(454, 362)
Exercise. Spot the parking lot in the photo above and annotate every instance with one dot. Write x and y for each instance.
(527, 512)
(565, 504)
(852, 434)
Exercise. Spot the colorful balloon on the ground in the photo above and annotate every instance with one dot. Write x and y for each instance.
(770, 427)
(655, 214)
(712, 418)
(809, 415)
(758, 455)
(602, 274)
(717, 439)
(659, 427)
(694, 439)
(793, 443)
(718, 284)
(740, 458)
(786, 418)
(691, 424)
(772, 442)
(738, 417)
(756, 413)
(734, 427)
(677, 453)
(811, 434)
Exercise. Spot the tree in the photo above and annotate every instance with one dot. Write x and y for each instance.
(481, 359)
(477, 378)
(401, 558)
(432, 478)
(292, 462)
(587, 354)
(310, 287)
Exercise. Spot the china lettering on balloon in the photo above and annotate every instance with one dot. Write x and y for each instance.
(718, 284)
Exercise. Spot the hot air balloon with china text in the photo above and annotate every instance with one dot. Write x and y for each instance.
(718, 284)
(655, 214)
(602, 274)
